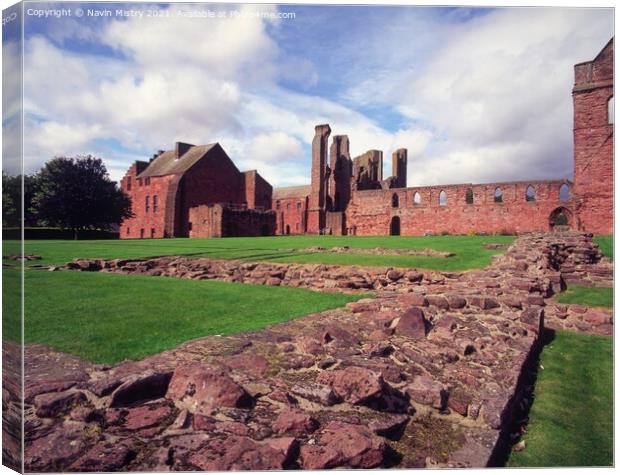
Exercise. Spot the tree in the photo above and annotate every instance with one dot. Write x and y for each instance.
(12, 199)
(77, 193)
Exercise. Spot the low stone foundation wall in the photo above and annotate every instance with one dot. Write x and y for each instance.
(315, 276)
(380, 251)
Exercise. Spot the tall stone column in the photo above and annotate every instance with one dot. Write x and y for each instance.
(340, 178)
(316, 205)
(399, 167)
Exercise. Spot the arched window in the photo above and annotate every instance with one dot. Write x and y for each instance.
(443, 198)
(564, 192)
(530, 193)
(499, 195)
(417, 199)
(288, 207)
(469, 196)
(299, 205)
(146, 203)
(610, 110)
(394, 200)
(278, 204)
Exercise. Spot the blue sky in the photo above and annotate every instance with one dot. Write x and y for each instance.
(475, 94)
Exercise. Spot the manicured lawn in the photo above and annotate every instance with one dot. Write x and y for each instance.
(590, 296)
(606, 244)
(469, 250)
(106, 318)
(571, 420)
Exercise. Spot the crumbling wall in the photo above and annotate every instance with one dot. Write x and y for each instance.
(420, 212)
(220, 221)
(368, 170)
(340, 176)
(399, 167)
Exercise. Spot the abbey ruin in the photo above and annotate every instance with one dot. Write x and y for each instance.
(197, 191)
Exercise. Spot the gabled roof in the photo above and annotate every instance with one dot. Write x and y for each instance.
(291, 192)
(168, 164)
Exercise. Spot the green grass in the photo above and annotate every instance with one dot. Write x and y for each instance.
(106, 318)
(571, 420)
(606, 244)
(469, 250)
(590, 296)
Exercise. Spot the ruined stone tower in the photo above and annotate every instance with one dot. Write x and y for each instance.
(340, 178)
(593, 98)
(319, 179)
(399, 167)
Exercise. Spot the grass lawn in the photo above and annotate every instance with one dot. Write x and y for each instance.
(106, 318)
(590, 296)
(571, 420)
(606, 244)
(469, 250)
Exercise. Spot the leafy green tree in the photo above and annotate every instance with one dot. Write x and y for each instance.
(77, 194)
(12, 199)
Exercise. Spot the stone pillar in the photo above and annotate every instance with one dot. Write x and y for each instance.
(399, 167)
(316, 206)
(340, 178)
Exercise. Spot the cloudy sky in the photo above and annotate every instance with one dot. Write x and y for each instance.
(476, 95)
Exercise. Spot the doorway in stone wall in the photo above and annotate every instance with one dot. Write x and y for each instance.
(560, 217)
(395, 226)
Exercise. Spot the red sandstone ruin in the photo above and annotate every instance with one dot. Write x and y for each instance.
(196, 191)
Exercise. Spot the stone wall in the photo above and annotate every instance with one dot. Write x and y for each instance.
(594, 142)
(257, 191)
(420, 211)
(291, 215)
(221, 221)
(151, 223)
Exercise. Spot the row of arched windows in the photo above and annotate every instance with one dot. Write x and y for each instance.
(288, 205)
(498, 196)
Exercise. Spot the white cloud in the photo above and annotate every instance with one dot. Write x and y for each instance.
(275, 147)
(498, 94)
(485, 100)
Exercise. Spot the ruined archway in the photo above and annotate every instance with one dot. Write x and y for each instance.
(395, 226)
(560, 216)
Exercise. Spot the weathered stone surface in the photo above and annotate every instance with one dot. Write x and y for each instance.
(202, 389)
(141, 388)
(146, 416)
(412, 323)
(344, 445)
(390, 426)
(295, 423)
(354, 385)
(425, 390)
(53, 404)
(57, 449)
(251, 363)
(242, 453)
(105, 456)
(317, 393)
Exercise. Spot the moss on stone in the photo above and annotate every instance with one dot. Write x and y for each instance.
(428, 436)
